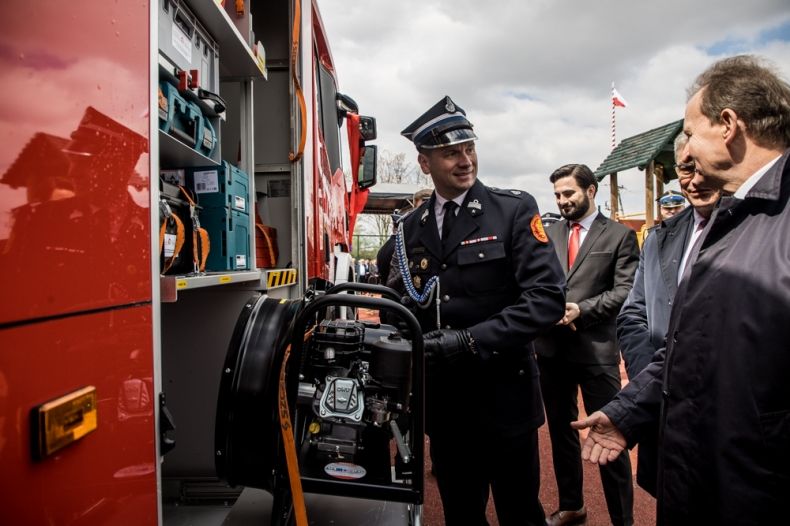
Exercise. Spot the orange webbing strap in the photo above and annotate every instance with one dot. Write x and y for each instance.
(297, 85)
(269, 243)
(200, 241)
(286, 429)
(179, 239)
(200, 234)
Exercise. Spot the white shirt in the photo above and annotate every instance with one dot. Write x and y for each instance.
(747, 185)
(438, 208)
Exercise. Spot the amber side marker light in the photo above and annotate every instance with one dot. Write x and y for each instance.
(62, 421)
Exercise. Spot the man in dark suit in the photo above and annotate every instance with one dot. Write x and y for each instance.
(599, 258)
(499, 286)
(643, 320)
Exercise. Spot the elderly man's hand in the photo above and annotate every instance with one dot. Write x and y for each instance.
(604, 442)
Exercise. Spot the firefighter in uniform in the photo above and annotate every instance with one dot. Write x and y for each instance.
(499, 286)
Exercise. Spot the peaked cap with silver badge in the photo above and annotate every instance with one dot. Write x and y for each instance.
(444, 124)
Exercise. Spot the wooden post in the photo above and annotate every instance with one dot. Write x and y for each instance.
(649, 200)
(614, 199)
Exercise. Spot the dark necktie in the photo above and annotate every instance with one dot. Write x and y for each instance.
(449, 219)
(573, 243)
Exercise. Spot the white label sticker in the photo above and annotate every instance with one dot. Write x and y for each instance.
(182, 43)
(169, 245)
(239, 203)
(206, 182)
(241, 261)
(345, 470)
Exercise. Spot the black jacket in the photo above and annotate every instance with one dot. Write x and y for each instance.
(499, 278)
(722, 383)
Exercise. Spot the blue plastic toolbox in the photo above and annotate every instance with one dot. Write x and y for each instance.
(220, 186)
(229, 233)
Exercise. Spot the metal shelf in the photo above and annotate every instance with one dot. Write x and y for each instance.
(170, 286)
(176, 154)
(236, 59)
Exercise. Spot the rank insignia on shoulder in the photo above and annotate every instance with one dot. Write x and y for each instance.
(536, 225)
(515, 192)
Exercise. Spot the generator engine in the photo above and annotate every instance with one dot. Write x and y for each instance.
(356, 380)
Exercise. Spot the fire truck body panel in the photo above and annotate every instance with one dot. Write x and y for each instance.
(80, 244)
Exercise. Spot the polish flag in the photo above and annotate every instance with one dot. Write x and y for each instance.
(618, 99)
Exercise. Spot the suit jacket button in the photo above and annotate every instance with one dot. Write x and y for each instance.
(521, 372)
(446, 298)
(481, 255)
(447, 327)
(444, 266)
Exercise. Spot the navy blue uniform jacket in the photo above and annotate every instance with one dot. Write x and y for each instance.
(499, 278)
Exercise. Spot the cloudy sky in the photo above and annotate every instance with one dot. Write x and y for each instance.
(534, 76)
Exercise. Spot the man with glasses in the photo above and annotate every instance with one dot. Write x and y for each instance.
(643, 320)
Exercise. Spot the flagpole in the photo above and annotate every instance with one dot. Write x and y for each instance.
(613, 190)
(613, 119)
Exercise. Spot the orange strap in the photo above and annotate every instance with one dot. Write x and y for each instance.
(297, 85)
(269, 244)
(200, 240)
(286, 429)
(179, 239)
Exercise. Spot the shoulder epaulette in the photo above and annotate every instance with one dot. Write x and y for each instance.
(512, 193)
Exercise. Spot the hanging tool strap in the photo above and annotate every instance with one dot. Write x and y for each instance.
(201, 245)
(170, 218)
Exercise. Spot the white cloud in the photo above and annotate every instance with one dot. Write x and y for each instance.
(535, 76)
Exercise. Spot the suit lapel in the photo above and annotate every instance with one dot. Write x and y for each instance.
(428, 231)
(671, 243)
(596, 229)
(560, 241)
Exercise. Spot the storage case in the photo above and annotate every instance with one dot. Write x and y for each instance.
(229, 232)
(185, 43)
(220, 186)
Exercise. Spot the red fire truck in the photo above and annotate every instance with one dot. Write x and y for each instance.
(108, 356)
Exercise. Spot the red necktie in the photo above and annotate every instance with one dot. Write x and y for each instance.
(573, 243)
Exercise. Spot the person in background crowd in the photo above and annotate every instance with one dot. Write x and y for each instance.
(599, 257)
(500, 285)
(671, 203)
(642, 322)
(719, 390)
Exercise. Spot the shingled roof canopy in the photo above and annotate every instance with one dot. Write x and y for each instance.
(639, 150)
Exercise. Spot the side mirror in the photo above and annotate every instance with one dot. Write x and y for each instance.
(366, 176)
(367, 128)
(344, 105)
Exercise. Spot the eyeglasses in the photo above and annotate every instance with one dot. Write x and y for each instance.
(685, 170)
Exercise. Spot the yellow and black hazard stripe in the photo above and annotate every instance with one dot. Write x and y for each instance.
(280, 278)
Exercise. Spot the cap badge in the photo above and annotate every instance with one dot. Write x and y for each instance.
(449, 106)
